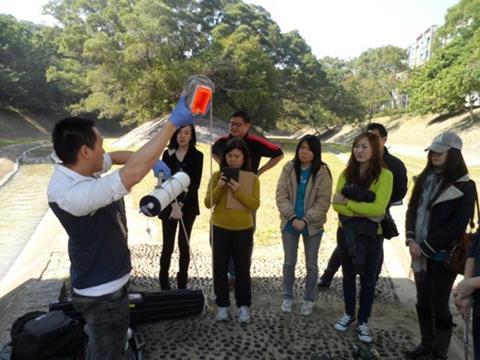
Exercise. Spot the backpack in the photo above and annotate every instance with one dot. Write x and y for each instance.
(38, 335)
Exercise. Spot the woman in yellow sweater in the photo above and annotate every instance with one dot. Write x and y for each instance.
(361, 197)
(232, 222)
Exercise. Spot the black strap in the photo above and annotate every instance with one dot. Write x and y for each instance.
(472, 219)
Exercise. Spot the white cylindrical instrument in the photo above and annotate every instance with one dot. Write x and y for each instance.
(163, 195)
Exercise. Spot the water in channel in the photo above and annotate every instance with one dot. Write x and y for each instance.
(23, 203)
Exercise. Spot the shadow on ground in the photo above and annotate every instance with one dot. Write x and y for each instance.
(271, 334)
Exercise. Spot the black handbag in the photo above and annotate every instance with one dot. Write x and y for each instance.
(389, 228)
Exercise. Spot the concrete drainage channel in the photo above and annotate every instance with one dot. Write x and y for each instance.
(23, 201)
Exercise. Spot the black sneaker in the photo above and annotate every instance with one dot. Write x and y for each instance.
(417, 352)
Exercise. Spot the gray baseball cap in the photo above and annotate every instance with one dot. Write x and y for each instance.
(445, 141)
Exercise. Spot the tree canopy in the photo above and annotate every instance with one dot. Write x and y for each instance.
(26, 52)
(127, 60)
(440, 85)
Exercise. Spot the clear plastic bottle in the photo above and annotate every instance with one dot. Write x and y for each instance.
(198, 90)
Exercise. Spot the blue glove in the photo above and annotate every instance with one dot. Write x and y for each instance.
(161, 167)
(182, 115)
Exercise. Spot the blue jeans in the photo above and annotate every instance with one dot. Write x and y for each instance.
(107, 318)
(231, 265)
(290, 248)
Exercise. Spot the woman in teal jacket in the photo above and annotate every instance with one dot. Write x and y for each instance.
(361, 197)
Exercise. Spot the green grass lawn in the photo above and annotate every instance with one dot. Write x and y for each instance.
(268, 221)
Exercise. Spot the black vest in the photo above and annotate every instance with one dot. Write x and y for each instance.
(97, 244)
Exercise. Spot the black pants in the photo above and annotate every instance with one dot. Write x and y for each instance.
(367, 279)
(334, 264)
(237, 244)
(476, 334)
(169, 228)
(433, 293)
(231, 265)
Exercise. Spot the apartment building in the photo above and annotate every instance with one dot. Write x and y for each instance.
(421, 50)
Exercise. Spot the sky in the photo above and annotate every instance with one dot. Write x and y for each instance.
(336, 28)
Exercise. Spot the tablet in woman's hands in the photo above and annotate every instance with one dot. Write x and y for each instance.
(231, 173)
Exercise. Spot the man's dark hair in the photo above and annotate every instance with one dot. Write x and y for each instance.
(376, 126)
(69, 135)
(243, 114)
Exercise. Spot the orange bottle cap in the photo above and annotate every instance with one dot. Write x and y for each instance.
(200, 100)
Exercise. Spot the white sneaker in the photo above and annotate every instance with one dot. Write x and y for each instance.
(344, 322)
(307, 308)
(287, 305)
(244, 314)
(223, 314)
(364, 334)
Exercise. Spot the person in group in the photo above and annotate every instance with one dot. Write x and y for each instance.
(303, 195)
(182, 155)
(467, 292)
(438, 213)
(232, 235)
(91, 210)
(361, 198)
(258, 147)
(400, 185)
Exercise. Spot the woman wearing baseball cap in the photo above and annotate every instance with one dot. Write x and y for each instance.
(438, 213)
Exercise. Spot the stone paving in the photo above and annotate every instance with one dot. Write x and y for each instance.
(271, 334)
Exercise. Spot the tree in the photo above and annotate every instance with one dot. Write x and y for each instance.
(453, 71)
(128, 59)
(375, 72)
(26, 51)
(343, 92)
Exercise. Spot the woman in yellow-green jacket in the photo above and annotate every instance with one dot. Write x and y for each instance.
(232, 235)
(361, 197)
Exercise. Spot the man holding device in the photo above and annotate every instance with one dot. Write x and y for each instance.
(91, 210)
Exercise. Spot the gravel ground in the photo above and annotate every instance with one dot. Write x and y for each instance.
(271, 334)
